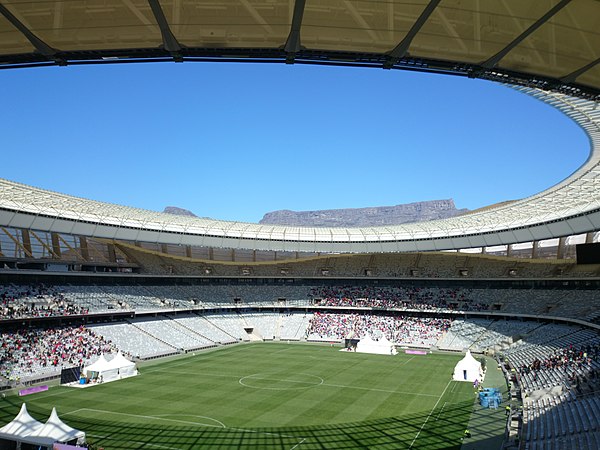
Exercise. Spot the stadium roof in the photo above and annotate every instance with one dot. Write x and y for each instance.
(549, 44)
(568, 208)
(550, 48)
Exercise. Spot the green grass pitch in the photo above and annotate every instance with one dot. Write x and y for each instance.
(270, 396)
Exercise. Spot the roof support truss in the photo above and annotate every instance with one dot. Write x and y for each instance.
(18, 244)
(45, 245)
(292, 45)
(169, 41)
(573, 75)
(402, 48)
(70, 247)
(490, 63)
(40, 46)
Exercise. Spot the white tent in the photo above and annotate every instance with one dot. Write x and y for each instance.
(54, 430)
(468, 369)
(22, 425)
(115, 369)
(99, 365)
(25, 429)
(124, 367)
(103, 368)
(380, 347)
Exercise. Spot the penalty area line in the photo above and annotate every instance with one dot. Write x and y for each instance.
(187, 422)
(223, 427)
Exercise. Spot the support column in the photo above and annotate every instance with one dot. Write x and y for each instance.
(26, 240)
(211, 253)
(55, 245)
(112, 254)
(188, 251)
(535, 250)
(232, 254)
(509, 250)
(83, 246)
(254, 255)
(164, 249)
(589, 238)
(560, 251)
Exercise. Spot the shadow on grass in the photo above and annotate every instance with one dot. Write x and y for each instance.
(441, 428)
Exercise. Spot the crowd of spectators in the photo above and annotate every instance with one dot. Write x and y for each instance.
(401, 330)
(19, 302)
(32, 351)
(396, 297)
(568, 358)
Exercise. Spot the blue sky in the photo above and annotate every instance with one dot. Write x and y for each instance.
(234, 141)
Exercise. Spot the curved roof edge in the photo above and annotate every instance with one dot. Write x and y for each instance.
(570, 207)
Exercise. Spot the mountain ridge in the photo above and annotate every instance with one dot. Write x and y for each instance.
(365, 217)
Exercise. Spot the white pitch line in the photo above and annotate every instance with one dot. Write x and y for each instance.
(187, 422)
(429, 415)
(408, 360)
(183, 421)
(187, 360)
(192, 415)
(443, 406)
(246, 430)
(377, 390)
(198, 374)
(135, 442)
(298, 444)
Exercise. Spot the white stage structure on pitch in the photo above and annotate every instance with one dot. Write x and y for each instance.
(381, 346)
(468, 369)
(115, 369)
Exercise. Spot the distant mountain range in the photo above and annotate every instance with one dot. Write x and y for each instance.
(366, 217)
(178, 211)
(355, 217)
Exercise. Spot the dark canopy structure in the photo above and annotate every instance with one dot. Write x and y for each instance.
(548, 44)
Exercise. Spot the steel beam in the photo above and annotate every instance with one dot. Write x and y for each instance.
(170, 43)
(402, 48)
(494, 60)
(292, 44)
(573, 75)
(41, 47)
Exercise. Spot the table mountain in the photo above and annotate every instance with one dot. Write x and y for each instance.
(365, 217)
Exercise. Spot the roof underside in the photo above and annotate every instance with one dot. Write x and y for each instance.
(550, 44)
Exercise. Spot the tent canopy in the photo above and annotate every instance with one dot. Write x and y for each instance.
(381, 347)
(54, 430)
(24, 428)
(120, 362)
(117, 367)
(468, 369)
(23, 424)
(100, 365)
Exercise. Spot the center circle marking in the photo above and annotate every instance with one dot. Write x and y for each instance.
(296, 384)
